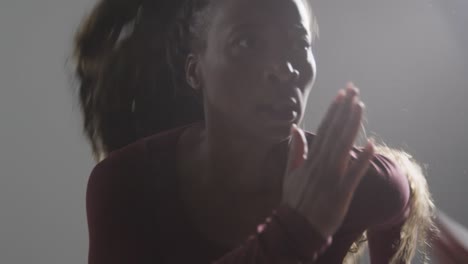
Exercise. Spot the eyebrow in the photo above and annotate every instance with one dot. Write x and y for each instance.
(301, 29)
(295, 28)
(243, 26)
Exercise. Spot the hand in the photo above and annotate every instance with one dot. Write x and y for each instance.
(320, 182)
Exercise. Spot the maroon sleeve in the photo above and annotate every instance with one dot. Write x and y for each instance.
(114, 210)
(286, 237)
(108, 208)
(384, 233)
(383, 243)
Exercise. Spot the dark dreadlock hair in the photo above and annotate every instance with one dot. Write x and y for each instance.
(130, 58)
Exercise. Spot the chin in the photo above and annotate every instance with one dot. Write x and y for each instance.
(274, 134)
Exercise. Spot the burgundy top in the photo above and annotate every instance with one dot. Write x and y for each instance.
(135, 216)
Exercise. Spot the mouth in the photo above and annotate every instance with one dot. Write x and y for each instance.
(285, 112)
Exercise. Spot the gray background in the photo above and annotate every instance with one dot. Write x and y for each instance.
(409, 58)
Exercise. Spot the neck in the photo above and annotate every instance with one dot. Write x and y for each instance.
(238, 163)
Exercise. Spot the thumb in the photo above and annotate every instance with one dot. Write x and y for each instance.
(298, 149)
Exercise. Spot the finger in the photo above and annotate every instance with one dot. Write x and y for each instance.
(344, 115)
(358, 169)
(330, 141)
(298, 149)
(345, 141)
(329, 116)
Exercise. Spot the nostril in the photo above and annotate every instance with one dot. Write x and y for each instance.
(272, 78)
(282, 73)
(295, 75)
(283, 77)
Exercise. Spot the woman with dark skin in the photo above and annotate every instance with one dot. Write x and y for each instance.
(251, 65)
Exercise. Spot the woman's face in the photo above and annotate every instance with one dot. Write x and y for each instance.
(257, 67)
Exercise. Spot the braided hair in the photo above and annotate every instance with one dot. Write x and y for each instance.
(130, 57)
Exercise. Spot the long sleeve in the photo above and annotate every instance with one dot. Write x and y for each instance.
(285, 238)
(380, 205)
(383, 243)
(112, 210)
(384, 234)
(119, 216)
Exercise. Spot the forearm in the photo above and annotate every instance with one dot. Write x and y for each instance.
(284, 238)
(385, 240)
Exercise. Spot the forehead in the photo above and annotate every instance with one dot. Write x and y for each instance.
(271, 12)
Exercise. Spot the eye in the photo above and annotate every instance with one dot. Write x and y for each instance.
(246, 42)
(302, 44)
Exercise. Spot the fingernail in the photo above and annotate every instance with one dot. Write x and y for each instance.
(341, 95)
(352, 88)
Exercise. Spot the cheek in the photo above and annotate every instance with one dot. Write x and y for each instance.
(231, 80)
(234, 83)
(308, 70)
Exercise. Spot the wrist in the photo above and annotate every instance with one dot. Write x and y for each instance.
(302, 235)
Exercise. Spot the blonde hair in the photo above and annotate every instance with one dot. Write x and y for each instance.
(419, 227)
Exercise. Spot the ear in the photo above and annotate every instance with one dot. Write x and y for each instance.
(192, 72)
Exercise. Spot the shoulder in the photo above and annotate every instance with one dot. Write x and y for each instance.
(384, 193)
(137, 156)
(124, 173)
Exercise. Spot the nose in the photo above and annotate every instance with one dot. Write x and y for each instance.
(283, 72)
